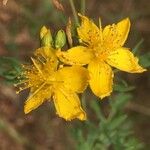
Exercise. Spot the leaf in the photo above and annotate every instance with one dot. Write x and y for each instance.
(145, 60)
(97, 110)
(10, 68)
(122, 86)
(10, 62)
(137, 47)
(117, 121)
(10, 75)
(120, 100)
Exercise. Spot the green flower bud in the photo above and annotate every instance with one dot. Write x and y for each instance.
(43, 32)
(60, 39)
(46, 37)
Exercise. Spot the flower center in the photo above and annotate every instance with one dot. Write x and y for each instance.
(101, 52)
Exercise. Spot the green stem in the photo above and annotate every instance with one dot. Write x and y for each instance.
(113, 111)
(82, 7)
(136, 48)
(74, 12)
(83, 99)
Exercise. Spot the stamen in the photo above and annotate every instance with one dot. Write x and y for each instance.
(20, 82)
(42, 60)
(100, 28)
(27, 67)
(100, 23)
(21, 89)
(37, 90)
(36, 65)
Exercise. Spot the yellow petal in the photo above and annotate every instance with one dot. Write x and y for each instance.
(37, 98)
(68, 105)
(101, 78)
(74, 78)
(115, 35)
(88, 32)
(76, 56)
(47, 54)
(124, 60)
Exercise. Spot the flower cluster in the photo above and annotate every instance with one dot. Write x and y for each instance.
(60, 75)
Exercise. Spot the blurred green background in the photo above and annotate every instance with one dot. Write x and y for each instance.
(20, 22)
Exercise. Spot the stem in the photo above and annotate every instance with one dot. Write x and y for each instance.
(74, 12)
(84, 101)
(82, 7)
(113, 111)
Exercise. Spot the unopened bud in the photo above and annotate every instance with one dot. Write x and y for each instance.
(43, 32)
(46, 37)
(60, 39)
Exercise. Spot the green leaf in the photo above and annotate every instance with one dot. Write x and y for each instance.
(145, 60)
(117, 121)
(94, 105)
(122, 86)
(137, 47)
(10, 69)
(120, 100)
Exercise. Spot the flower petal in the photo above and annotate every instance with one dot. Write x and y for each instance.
(74, 78)
(68, 105)
(101, 78)
(123, 59)
(116, 35)
(88, 32)
(79, 55)
(37, 98)
(47, 54)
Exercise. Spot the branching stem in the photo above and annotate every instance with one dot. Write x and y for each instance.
(74, 12)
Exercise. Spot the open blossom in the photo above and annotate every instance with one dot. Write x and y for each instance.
(47, 82)
(102, 49)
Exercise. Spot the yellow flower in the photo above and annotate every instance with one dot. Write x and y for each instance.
(101, 49)
(46, 81)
